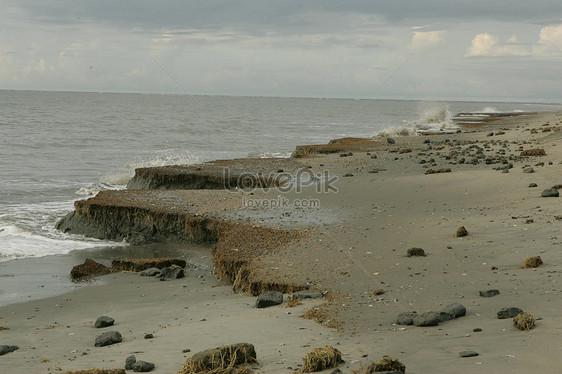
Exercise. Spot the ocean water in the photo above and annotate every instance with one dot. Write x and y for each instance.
(57, 147)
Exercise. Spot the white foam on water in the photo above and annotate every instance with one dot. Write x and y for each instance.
(434, 117)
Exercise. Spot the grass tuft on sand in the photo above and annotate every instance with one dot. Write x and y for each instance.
(524, 321)
(221, 360)
(321, 358)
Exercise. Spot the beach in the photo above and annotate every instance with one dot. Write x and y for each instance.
(347, 242)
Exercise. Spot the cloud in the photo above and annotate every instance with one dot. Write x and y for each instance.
(422, 40)
(482, 45)
(550, 40)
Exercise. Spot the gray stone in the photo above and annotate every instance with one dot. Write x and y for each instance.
(468, 354)
(104, 321)
(443, 317)
(269, 298)
(528, 170)
(533, 185)
(8, 349)
(152, 272)
(148, 336)
(129, 361)
(550, 192)
(406, 318)
(307, 294)
(142, 366)
(456, 309)
(414, 251)
(489, 293)
(172, 272)
(390, 141)
(490, 134)
(509, 312)
(108, 338)
(427, 319)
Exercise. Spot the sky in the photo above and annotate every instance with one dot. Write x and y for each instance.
(501, 50)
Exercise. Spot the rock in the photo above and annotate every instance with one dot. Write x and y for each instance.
(142, 366)
(89, 268)
(426, 141)
(174, 272)
(4, 349)
(136, 238)
(509, 312)
(427, 319)
(477, 329)
(129, 361)
(390, 141)
(104, 321)
(444, 317)
(550, 192)
(461, 231)
(140, 264)
(347, 175)
(468, 354)
(307, 294)
(533, 185)
(108, 338)
(406, 318)
(373, 156)
(269, 298)
(378, 292)
(529, 170)
(456, 309)
(152, 272)
(491, 133)
(489, 293)
(148, 336)
(415, 252)
(532, 262)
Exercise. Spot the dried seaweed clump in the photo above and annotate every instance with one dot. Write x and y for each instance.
(532, 262)
(221, 360)
(524, 321)
(534, 152)
(321, 358)
(386, 363)
(98, 371)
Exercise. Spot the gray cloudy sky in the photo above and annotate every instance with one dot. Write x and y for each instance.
(432, 49)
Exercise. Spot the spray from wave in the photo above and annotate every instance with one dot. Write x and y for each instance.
(434, 117)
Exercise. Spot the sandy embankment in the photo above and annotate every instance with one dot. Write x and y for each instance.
(353, 244)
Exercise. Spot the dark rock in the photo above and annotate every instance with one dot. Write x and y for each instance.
(136, 238)
(8, 349)
(307, 294)
(415, 252)
(152, 272)
(142, 366)
(148, 336)
(406, 318)
(461, 231)
(509, 312)
(550, 192)
(89, 268)
(390, 141)
(444, 317)
(468, 354)
(104, 321)
(533, 185)
(477, 329)
(187, 350)
(269, 298)
(108, 338)
(173, 272)
(427, 319)
(490, 134)
(456, 309)
(140, 264)
(489, 293)
(347, 175)
(529, 170)
(373, 156)
(129, 361)
(426, 141)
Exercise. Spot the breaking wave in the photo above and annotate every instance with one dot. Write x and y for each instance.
(434, 117)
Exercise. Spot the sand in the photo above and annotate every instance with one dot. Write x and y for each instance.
(356, 243)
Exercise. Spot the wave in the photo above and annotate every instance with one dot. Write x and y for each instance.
(434, 117)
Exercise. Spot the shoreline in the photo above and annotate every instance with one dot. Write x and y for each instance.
(357, 243)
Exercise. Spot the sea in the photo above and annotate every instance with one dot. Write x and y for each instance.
(58, 147)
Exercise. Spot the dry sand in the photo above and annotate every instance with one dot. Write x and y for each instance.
(357, 243)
